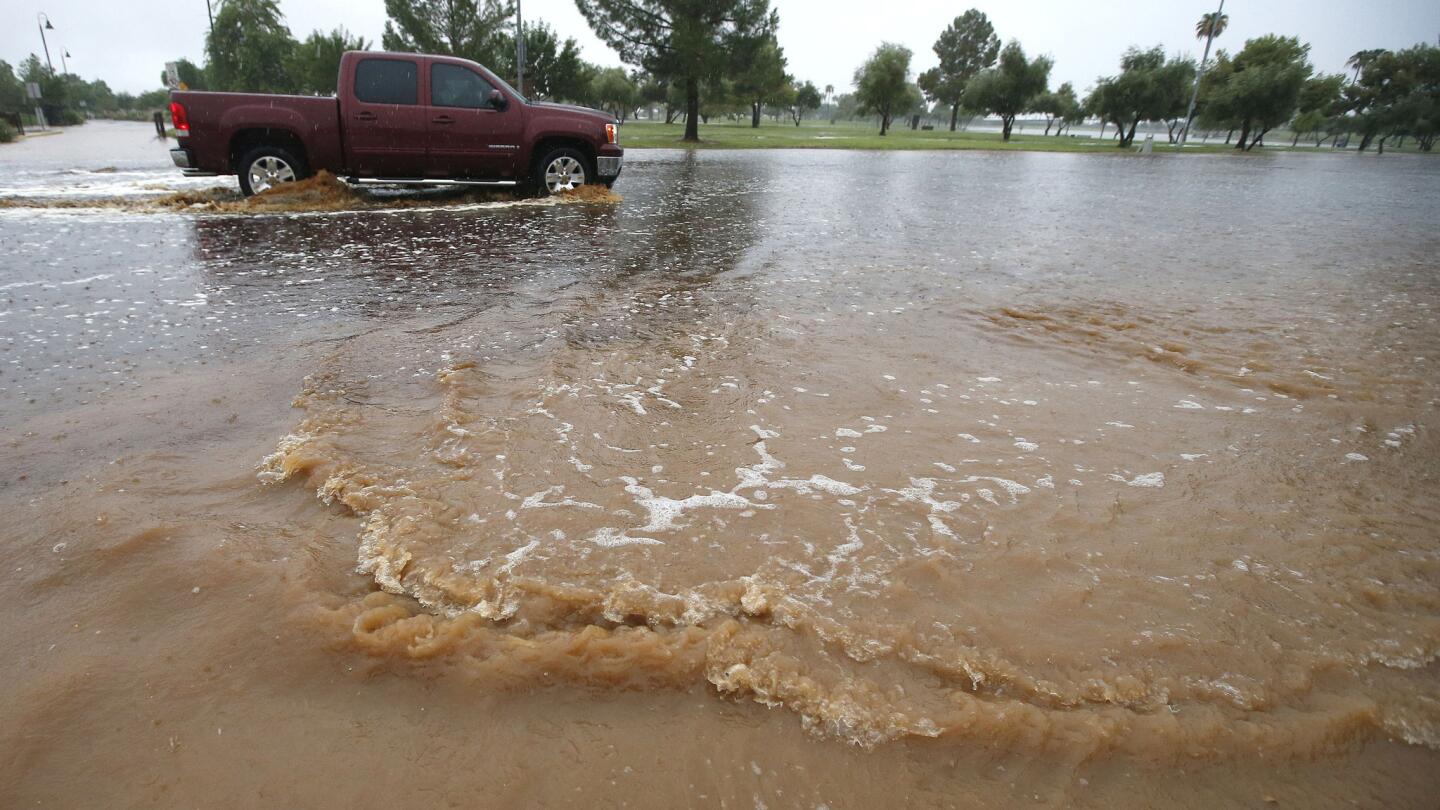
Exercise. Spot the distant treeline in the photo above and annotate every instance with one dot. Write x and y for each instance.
(722, 58)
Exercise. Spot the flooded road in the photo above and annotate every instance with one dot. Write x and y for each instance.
(794, 479)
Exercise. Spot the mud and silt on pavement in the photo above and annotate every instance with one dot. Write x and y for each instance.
(737, 491)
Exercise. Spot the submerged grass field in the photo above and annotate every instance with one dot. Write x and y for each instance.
(860, 135)
(724, 134)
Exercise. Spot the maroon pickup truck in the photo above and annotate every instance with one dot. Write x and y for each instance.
(400, 118)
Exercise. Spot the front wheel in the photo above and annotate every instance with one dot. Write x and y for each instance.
(266, 167)
(560, 170)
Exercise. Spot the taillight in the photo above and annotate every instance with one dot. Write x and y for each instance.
(612, 133)
(177, 117)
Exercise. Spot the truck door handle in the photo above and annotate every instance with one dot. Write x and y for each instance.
(442, 119)
(364, 116)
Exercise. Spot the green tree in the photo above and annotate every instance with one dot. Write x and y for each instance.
(12, 90)
(1009, 88)
(249, 49)
(315, 64)
(1321, 102)
(553, 69)
(882, 84)
(688, 43)
(762, 80)
(1398, 94)
(806, 99)
(1149, 88)
(478, 30)
(966, 47)
(614, 91)
(1259, 88)
(1057, 106)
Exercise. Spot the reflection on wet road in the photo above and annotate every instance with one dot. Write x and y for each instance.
(1086, 463)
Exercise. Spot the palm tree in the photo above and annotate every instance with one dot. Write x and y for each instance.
(1211, 25)
(1360, 59)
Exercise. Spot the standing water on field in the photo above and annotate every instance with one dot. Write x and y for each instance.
(791, 479)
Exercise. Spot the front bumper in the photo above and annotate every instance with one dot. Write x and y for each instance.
(608, 166)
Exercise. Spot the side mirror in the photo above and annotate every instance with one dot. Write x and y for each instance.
(497, 100)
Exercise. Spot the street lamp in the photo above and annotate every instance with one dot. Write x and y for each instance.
(64, 67)
(519, 51)
(43, 28)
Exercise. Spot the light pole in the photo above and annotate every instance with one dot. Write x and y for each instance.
(519, 50)
(43, 28)
(64, 66)
(1200, 73)
(211, 11)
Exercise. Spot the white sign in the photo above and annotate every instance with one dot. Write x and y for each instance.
(172, 75)
(32, 90)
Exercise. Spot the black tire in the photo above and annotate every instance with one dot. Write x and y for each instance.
(297, 168)
(538, 173)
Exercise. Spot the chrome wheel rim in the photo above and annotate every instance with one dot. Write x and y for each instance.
(564, 173)
(269, 171)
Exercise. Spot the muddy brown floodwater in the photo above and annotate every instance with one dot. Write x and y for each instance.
(793, 479)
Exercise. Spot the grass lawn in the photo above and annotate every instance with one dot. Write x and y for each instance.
(724, 134)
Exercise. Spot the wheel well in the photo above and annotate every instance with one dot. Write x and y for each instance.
(546, 144)
(247, 139)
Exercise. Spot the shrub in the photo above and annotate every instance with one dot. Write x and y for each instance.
(67, 117)
(7, 132)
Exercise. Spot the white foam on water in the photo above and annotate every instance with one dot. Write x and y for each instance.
(1155, 480)
(1356, 457)
(537, 500)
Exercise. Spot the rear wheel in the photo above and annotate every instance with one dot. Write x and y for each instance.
(560, 170)
(266, 167)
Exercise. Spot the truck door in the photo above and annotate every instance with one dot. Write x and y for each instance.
(470, 136)
(385, 123)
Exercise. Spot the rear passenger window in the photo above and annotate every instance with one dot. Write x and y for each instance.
(387, 81)
(455, 86)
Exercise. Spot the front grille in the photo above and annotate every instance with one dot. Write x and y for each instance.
(607, 166)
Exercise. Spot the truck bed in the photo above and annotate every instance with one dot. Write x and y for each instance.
(220, 123)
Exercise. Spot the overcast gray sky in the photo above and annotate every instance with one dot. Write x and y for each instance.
(127, 42)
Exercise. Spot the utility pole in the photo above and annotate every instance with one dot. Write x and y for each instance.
(519, 50)
(43, 43)
(211, 11)
(64, 67)
(1199, 74)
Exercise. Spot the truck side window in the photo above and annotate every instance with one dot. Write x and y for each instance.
(387, 81)
(455, 86)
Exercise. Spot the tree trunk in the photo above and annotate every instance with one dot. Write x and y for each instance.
(1229, 135)
(754, 115)
(1007, 121)
(1129, 137)
(692, 110)
(1365, 140)
(1048, 122)
(884, 123)
(1102, 128)
(1244, 134)
(954, 116)
(1258, 140)
(1295, 142)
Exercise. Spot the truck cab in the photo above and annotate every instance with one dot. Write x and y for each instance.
(398, 118)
